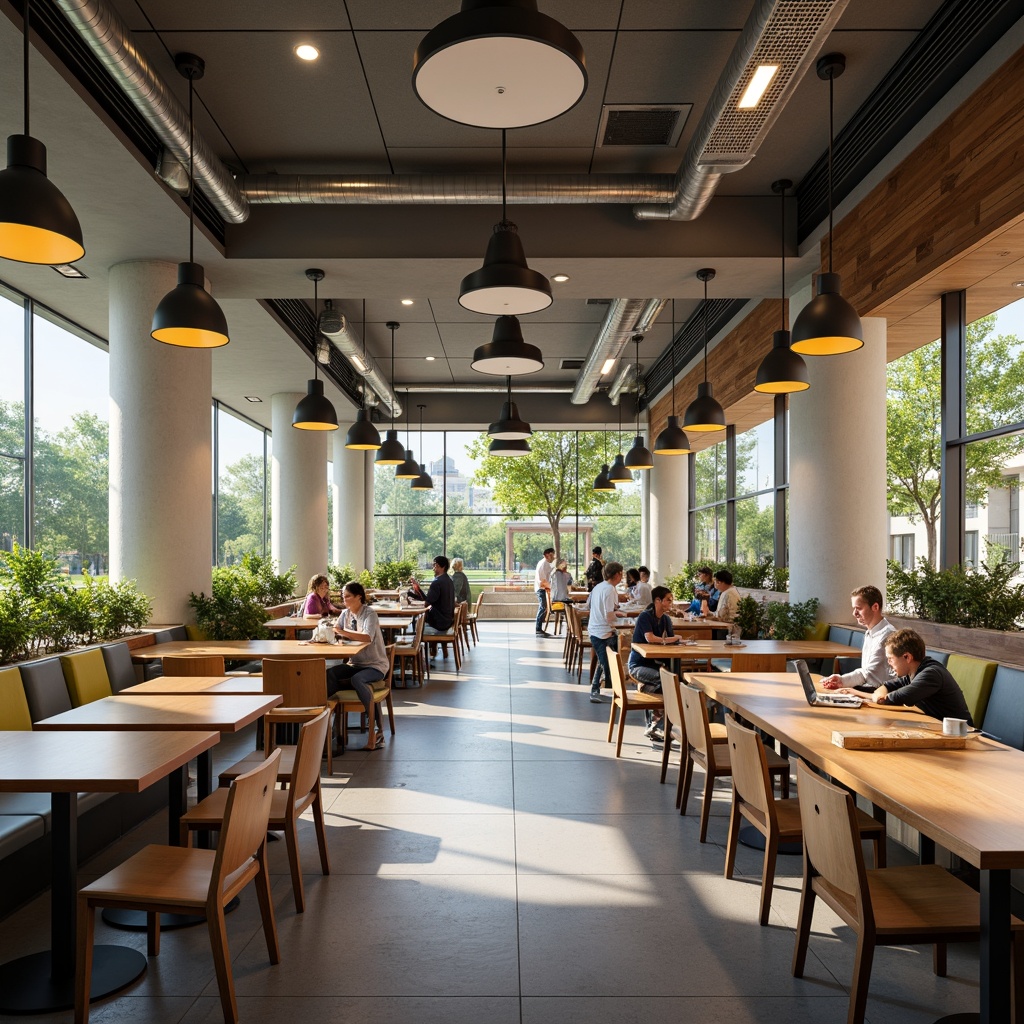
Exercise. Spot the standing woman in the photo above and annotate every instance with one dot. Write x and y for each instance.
(461, 582)
(359, 623)
(318, 600)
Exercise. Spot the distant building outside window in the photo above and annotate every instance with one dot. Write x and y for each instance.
(903, 549)
(971, 548)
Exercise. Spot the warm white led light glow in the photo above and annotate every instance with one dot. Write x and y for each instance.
(406, 302)
(560, 278)
(758, 85)
(305, 51)
(607, 368)
(357, 362)
(430, 359)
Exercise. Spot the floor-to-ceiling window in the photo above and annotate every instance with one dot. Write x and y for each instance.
(13, 456)
(242, 517)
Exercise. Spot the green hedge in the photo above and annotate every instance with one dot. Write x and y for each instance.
(763, 575)
(236, 607)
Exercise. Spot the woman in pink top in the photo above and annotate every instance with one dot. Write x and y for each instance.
(318, 601)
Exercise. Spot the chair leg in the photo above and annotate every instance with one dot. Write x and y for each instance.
(152, 933)
(771, 855)
(861, 978)
(939, 966)
(666, 750)
(622, 731)
(321, 832)
(391, 713)
(266, 902)
(734, 833)
(803, 926)
(705, 805)
(880, 855)
(222, 962)
(291, 839)
(685, 778)
(611, 719)
(83, 959)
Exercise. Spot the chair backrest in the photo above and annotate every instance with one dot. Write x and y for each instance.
(753, 663)
(695, 721)
(831, 838)
(14, 712)
(940, 656)
(46, 689)
(301, 683)
(817, 632)
(120, 670)
(670, 694)
(86, 676)
(750, 776)
(479, 604)
(421, 621)
(212, 665)
(246, 815)
(857, 639)
(572, 620)
(1004, 717)
(617, 673)
(309, 751)
(839, 635)
(974, 676)
(385, 683)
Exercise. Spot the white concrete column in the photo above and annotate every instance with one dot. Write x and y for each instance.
(838, 519)
(298, 493)
(161, 448)
(668, 505)
(347, 487)
(369, 552)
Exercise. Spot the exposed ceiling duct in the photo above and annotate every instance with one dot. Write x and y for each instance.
(110, 39)
(336, 327)
(487, 389)
(625, 380)
(786, 34)
(625, 317)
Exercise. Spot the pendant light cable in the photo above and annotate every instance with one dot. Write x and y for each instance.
(24, 63)
(672, 356)
(504, 178)
(192, 187)
(316, 304)
(831, 114)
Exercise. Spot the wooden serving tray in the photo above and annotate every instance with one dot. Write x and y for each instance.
(898, 739)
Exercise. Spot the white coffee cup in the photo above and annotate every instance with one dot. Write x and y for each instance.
(954, 727)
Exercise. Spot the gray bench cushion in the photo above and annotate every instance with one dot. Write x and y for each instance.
(940, 656)
(45, 688)
(34, 804)
(120, 670)
(18, 830)
(1004, 716)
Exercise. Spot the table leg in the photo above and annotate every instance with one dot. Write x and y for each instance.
(204, 787)
(925, 849)
(995, 947)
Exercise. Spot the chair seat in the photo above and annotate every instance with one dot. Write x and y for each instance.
(351, 697)
(209, 812)
(637, 699)
(255, 759)
(723, 760)
(787, 813)
(158, 875)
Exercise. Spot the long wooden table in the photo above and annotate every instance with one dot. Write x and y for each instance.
(772, 653)
(395, 619)
(195, 684)
(246, 650)
(64, 765)
(970, 801)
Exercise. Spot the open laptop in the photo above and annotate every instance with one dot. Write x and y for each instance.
(815, 699)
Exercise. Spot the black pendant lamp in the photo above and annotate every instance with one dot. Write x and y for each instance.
(511, 449)
(704, 414)
(315, 412)
(782, 371)
(601, 482)
(638, 457)
(363, 435)
(828, 325)
(422, 481)
(391, 452)
(672, 440)
(507, 354)
(505, 285)
(509, 427)
(187, 315)
(410, 468)
(618, 474)
(499, 64)
(37, 223)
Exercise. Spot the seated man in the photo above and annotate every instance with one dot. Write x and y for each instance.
(919, 681)
(874, 670)
(728, 598)
(440, 599)
(704, 591)
(653, 626)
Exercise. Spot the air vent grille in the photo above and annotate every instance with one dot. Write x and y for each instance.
(643, 125)
(570, 364)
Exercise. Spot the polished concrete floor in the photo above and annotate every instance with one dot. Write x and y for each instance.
(496, 862)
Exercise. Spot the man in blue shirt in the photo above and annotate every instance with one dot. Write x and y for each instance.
(653, 626)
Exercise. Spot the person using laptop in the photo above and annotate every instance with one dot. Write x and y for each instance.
(874, 669)
(919, 681)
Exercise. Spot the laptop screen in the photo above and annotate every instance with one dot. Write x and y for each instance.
(806, 682)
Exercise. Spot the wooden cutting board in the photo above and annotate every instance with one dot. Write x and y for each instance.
(898, 739)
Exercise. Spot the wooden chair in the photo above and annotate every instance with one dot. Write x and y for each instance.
(556, 611)
(347, 700)
(453, 636)
(414, 653)
(181, 880)
(674, 717)
(581, 646)
(198, 666)
(286, 806)
(713, 757)
(473, 617)
(777, 820)
(899, 906)
(626, 700)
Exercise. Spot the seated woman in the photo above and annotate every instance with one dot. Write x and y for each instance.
(359, 623)
(639, 589)
(561, 581)
(461, 581)
(318, 600)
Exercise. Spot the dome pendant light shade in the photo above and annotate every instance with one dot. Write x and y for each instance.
(391, 452)
(37, 223)
(499, 65)
(315, 411)
(362, 435)
(828, 325)
(507, 354)
(672, 440)
(187, 315)
(782, 371)
(505, 284)
(509, 448)
(423, 481)
(409, 469)
(601, 481)
(510, 427)
(704, 413)
(638, 457)
(618, 474)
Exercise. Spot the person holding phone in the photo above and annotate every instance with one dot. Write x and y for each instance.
(318, 600)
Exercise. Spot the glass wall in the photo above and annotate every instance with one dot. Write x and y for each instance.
(241, 495)
(12, 421)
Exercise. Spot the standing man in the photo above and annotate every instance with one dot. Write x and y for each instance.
(604, 614)
(440, 600)
(542, 585)
(874, 669)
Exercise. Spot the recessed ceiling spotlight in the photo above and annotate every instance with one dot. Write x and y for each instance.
(430, 359)
(407, 302)
(560, 278)
(306, 51)
(253, 398)
(1016, 284)
(68, 270)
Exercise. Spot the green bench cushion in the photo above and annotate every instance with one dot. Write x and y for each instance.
(86, 676)
(975, 678)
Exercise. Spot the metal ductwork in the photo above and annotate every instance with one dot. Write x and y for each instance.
(624, 379)
(487, 389)
(110, 39)
(336, 326)
(784, 33)
(625, 317)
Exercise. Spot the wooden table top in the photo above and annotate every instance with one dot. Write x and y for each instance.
(196, 684)
(970, 801)
(245, 650)
(94, 762)
(226, 713)
(719, 649)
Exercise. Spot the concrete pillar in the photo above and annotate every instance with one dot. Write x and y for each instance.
(369, 552)
(348, 485)
(838, 520)
(668, 509)
(161, 448)
(298, 493)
